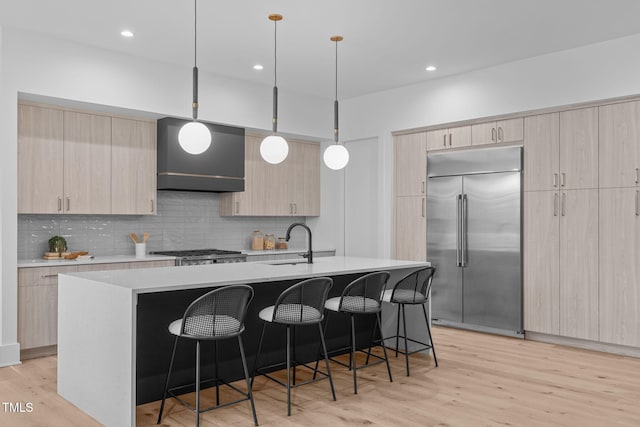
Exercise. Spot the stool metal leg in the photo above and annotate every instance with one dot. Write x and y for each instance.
(406, 345)
(288, 371)
(197, 383)
(166, 386)
(326, 320)
(398, 330)
(373, 336)
(246, 376)
(215, 352)
(293, 351)
(384, 349)
(353, 354)
(255, 362)
(433, 347)
(326, 360)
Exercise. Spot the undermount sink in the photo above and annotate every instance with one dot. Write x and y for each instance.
(287, 262)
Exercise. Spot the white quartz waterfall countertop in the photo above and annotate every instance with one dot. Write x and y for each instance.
(175, 278)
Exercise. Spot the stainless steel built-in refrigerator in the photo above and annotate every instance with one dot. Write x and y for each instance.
(473, 235)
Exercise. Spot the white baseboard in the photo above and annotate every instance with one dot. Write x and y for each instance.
(9, 354)
(585, 344)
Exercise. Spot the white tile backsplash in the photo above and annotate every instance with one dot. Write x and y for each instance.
(185, 220)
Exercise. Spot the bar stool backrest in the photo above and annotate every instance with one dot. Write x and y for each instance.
(364, 294)
(219, 313)
(414, 288)
(303, 303)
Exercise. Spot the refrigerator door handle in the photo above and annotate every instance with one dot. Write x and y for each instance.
(463, 228)
(458, 231)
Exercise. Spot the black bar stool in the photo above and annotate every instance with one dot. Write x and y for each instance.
(362, 296)
(300, 305)
(217, 315)
(412, 289)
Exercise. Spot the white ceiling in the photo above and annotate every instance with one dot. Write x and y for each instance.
(386, 44)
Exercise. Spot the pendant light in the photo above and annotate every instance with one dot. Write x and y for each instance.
(274, 148)
(194, 137)
(336, 156)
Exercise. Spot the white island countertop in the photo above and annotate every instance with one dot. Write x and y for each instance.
(165, 279)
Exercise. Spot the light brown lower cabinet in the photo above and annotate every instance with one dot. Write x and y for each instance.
(411, 228)
(560, 263)
(619, 311)
(38, 303)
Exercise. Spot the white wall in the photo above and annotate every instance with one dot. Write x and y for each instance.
(605, 70)
(34, 64)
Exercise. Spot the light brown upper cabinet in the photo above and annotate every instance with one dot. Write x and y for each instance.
(511, 130)
(64, 161)
(442, 139)
(40, 160)
(87, 163)
(620, 145)
(291, 188)
(410, 164)
(561, 150)
(619, 309)
(133, 167)
(72, 162)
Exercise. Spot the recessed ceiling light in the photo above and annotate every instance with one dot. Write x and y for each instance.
(258, 67)
(430, 68)
(126, 33)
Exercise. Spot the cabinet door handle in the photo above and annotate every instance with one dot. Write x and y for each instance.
(59, 204)
(295, 208)
(500, 134)
(562, 179)
(444, 140)
(237, 207)
(290, 208)
(564, 203)
(637, 202)
(637, 177)
(68, 205)
(493, 134)
(555, 204)
(44, 276)
(555, 180)
(423, 205)
(152, 206)
(450, 140)
(422, 190)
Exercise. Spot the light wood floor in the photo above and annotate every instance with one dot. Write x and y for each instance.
(482, 380)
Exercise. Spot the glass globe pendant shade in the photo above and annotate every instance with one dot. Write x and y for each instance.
(194, 138)
(336, 156)
(274, 149)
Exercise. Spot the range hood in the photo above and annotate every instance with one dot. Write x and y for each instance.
(219, 169)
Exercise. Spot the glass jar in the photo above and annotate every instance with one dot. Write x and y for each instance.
(282, 243)
(269, 242)
(257, 240)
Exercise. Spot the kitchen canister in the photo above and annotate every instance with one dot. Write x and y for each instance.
(282, 243)
(257, 240)
(269, 242)
(141, 250)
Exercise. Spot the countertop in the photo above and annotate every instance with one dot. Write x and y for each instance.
(22, 263)
(292, 251)
(170, 278)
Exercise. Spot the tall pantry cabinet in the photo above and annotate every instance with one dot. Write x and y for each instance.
(410, 190)
(619, 314)
(560, 224)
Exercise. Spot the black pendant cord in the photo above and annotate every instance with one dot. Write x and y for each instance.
(194, 105)
(275, 76)
(336, 131)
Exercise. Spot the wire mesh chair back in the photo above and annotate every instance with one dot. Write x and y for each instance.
(364, 294)
(303, 303)
(414, 288)
(219, 313)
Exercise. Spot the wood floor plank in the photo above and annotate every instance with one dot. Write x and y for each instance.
(482, 380)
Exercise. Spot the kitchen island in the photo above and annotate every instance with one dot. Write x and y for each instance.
(113, 344)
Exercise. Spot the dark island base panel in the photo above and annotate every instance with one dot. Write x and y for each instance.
(154, 342)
